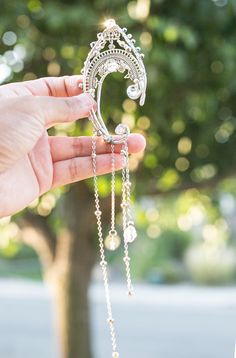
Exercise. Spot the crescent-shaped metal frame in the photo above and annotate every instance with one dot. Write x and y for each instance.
(105, 58)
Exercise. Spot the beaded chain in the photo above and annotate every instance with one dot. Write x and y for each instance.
(129, 231)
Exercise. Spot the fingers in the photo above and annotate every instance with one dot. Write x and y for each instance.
(76, 165)
(76, 169)
(63, 109)
(63, 148)
(65, 86)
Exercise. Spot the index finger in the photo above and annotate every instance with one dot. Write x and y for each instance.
(66, 86)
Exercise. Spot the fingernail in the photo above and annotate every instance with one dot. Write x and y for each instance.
(88, 100)
(74, 81)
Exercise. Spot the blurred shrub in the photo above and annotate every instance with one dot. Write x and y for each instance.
(169, 271)
(211, 264)
(160, 259)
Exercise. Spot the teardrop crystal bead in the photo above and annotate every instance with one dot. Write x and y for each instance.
(130, 233)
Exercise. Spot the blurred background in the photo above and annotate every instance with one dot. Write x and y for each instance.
(184, 192)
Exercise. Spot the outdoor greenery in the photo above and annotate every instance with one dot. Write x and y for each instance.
(185, 186)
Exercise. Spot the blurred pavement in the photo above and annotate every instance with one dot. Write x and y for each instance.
(159, 322)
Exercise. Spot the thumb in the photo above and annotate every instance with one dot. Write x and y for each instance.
(23, 121)
(63, 109)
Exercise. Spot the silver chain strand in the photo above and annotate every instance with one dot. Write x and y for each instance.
(126, 212)
(103, 261)
(112, 232)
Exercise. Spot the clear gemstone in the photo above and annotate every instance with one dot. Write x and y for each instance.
(122, 129)
(133, 91)
(130, 233)
(112, 65)
(110, 23)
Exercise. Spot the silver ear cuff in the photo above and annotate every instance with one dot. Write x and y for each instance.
(105, 58)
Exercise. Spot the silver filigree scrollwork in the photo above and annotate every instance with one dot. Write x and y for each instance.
(114, 51)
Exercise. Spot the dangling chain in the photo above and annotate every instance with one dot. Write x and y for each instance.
(126, 212)
(129, 231)
(112, 232)
(103, 261)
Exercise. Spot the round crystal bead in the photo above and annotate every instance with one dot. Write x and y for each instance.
(112, 242)
(133, 91)
(130, 233)
(122, 129)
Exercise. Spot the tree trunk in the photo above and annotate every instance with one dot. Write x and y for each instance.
(71, 273)
(70, 289)
(68, 259)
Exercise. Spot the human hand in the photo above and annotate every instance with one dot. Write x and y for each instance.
(31, 162)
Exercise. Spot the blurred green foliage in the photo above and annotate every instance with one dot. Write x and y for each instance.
(189, 117)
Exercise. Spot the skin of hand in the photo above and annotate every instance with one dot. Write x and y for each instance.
(31, 162)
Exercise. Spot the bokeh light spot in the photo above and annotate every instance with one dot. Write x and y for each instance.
(178, 126)
(129, 105)
(143, 122)
(9, 38)
(54, 69)
(184, 145)
(217, 67)
(49, 54)
(182, 164)
(171, 34)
